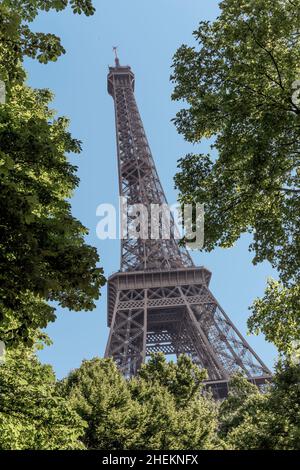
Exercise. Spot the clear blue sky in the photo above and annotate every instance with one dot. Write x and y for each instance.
(148, 34)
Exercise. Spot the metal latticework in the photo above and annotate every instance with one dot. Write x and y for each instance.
(159, 301)
(139, 181)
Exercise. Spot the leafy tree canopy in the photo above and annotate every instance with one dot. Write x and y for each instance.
(241, 88)
(270, 420)
(32, 414)
(17, 39)
(43, 255)
(162, 408)
(277, 315)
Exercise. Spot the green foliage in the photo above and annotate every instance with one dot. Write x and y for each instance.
(43, 255)
(17, 39)
(32, 414)
(99, 394)
(277, 316)
(183, 379)
(271, 421)
(175, 412)
(20, 325)
(241, 423)
(240, 88)
(162, 408)
(29, 9)
(42, 246)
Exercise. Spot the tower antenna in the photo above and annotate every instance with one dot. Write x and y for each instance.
(117, 62)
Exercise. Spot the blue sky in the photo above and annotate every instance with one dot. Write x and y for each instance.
(147, 34)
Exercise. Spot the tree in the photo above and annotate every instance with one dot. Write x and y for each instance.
(100, 395)
(161, 408)
(32, 414)
(270, 420)
(43, 255)
(277, 315)
(177, 414)
(241, 89)
(241, 422)
(183, 379)
(17, 39)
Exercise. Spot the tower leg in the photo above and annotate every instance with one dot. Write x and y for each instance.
(127, 338)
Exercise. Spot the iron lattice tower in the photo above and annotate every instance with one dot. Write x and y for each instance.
(159, 300)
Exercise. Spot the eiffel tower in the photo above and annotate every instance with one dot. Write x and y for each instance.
(160, 301)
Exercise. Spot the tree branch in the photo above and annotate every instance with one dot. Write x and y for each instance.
(269, 53)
